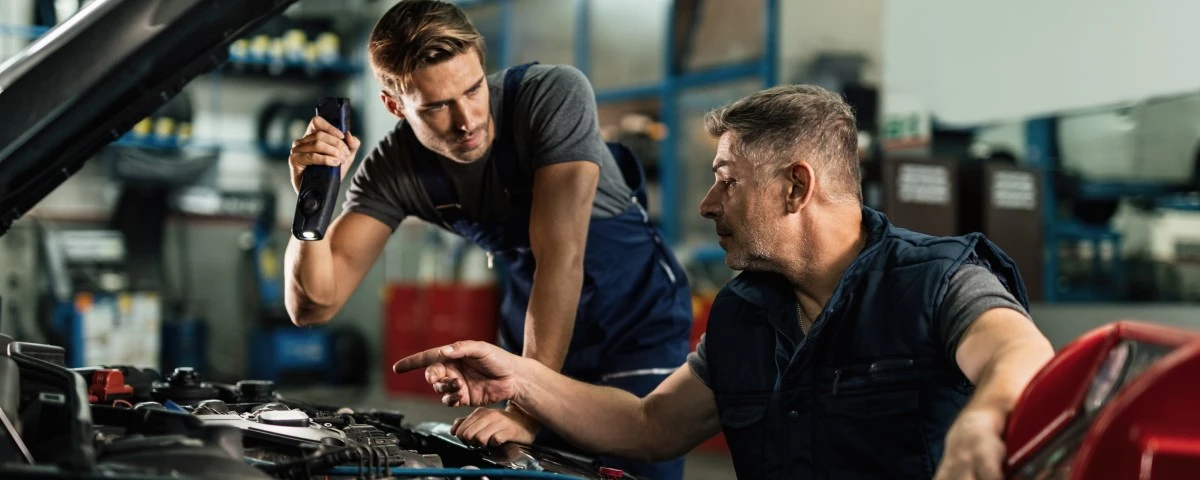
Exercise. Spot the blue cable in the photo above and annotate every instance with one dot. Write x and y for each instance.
(174, 407)
(456, 472)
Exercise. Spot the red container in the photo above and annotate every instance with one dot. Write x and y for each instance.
(462, 312)
(403, 333)
(700, 308)
(422, 316)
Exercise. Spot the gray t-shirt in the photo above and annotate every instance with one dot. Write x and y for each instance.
(555, 122)
(973, 289)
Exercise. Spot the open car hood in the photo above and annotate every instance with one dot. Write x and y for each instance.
(93, 77)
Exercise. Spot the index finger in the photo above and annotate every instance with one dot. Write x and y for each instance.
(320, 124)
(420, 360)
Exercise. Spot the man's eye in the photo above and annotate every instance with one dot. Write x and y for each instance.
(729, 182)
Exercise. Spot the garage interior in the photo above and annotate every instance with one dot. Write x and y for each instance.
(1067, 133)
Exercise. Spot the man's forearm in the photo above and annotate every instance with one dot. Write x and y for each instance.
(598, 419)
(553, 303)
(1007, 374)
(310, 288)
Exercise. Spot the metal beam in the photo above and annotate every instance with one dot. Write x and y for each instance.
(583, 36)
(770, 54)
(1039, 141)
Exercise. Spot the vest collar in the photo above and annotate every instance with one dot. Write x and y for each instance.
(771, 291)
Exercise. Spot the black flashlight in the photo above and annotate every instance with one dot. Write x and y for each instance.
(319, 183)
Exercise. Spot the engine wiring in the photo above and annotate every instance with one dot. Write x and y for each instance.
(492, 473)
(304, 467)
(366, 469)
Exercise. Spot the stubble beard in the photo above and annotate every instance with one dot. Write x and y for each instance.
(757, 251)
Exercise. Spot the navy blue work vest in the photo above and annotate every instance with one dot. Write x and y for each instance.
(869, 393)
(635, 308)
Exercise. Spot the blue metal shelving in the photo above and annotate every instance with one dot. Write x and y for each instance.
(667, 90)
(340, 66)
(234, 66)
(1039, 140)
(1115, 190)
(1108, 282)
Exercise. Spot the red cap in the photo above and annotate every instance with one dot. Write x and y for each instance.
(611, 472)
(106, 383)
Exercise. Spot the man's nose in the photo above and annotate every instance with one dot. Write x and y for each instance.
(463, 120)
(709, 207)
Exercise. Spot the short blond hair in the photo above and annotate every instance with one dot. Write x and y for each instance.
(417, 33)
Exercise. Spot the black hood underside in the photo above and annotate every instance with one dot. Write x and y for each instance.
(90, 79)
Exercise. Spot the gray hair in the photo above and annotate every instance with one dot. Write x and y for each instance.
(775, 126)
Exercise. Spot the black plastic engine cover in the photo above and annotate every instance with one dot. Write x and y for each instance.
(177, 454)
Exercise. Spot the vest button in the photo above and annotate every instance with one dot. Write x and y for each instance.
(793, 414)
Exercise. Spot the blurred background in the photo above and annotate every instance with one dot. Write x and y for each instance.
(1068, 131)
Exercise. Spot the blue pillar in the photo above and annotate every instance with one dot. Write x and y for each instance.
(770, 43)
(1039, 148)
(583, 36)
(508, 34)
(668, 164)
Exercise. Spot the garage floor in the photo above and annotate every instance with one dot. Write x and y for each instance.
(700, 465)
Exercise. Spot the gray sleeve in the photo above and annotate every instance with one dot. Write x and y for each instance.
(375, 188)
(699, 363)
(973, 290)
(563, 122)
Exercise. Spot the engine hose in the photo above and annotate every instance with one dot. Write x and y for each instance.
(402, 472)
(302, 468)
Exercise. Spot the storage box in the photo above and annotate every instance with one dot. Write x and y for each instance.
(422, 316)
(919, 194)
(1004, 202)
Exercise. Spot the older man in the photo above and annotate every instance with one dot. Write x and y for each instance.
(848, 347)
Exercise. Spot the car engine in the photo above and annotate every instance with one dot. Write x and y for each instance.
(127, 422)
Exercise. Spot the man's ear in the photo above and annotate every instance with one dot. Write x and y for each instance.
(801, 179)
(392, 105)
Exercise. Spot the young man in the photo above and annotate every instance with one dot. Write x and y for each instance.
(847, 348)
(513, 161)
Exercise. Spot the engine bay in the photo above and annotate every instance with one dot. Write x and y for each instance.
(119, 421)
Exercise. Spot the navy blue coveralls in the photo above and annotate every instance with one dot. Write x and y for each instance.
(635, 313)
(869, 392)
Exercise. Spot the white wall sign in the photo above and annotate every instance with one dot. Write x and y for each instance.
(922, 183)
(1014, 190)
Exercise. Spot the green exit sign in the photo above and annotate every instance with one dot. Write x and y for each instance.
(906, 126)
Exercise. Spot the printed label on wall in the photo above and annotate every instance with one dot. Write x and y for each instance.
(927, 184)
(1014, 190)
(907, 125)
